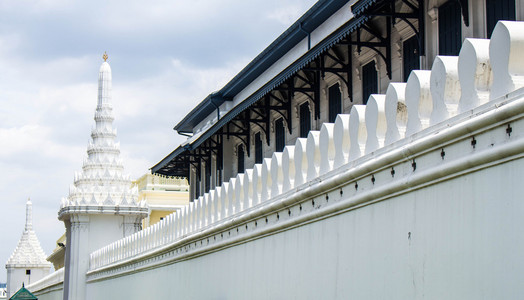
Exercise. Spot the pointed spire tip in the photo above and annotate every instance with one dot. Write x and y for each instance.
(29, 215)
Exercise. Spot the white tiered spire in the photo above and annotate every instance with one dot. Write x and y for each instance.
(102, 182)
(101, 190)
(29, 215)
(28, 252)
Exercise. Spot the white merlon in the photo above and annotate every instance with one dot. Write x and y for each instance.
(327, 146)
(227, 190)
(275, 174)
(313, 154)
(445, 88)
(396, 112)
(475, 75)
(252, 185)
(418, 101)
(357, 131)
(224, 210)
(505, 54)
(288, 174)
(375, 122)
(301, 162)
(265, 182)
(341, 129)
(239, 191)
(217, 205)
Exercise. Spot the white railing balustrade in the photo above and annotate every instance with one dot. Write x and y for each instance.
(454, 84)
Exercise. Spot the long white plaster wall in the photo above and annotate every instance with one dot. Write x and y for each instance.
(17, 276)
(57, 293)
(50, 287)
(459, 239)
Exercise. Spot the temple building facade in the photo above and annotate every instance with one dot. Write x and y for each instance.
(332, 58)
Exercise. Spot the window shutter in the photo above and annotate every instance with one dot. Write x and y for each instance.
(258, 148)
(280, 135)
(410, 56)
(449, 28)
(369, 81)
(240, 158)
(305, 120)
(497, 10)
(335, 102)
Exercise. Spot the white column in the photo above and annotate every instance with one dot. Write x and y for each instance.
(77, 253)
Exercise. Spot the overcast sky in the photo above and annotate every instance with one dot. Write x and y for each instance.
(166, 56)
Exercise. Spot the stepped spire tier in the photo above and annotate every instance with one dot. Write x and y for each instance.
(28, 252)
(102, 185)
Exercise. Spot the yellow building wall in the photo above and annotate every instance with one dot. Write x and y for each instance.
(157, 215)
(164, 195)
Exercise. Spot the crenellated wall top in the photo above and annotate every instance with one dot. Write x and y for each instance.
(391, 127)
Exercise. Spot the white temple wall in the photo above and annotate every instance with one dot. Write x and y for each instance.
(56, 294)
(17, 276)
(110, 225)
(456, 239)
(50, 287)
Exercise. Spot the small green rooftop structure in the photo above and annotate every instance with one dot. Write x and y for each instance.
(23, 293)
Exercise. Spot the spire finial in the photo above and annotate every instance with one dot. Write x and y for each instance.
(29, 215)
(105, 56)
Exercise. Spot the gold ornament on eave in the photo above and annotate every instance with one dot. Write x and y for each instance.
(105, 56)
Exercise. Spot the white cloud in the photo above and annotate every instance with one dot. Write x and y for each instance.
(285, 15)
(289, 12)
(36, 139)
(166, 56)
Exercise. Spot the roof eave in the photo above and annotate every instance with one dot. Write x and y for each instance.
(309, 21)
